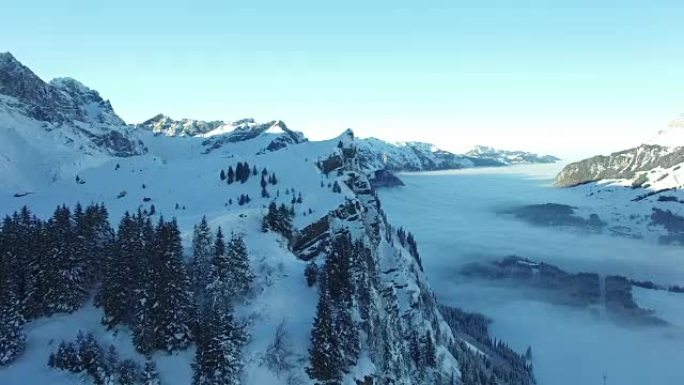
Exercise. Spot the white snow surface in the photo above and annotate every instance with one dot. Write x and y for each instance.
(177, 172)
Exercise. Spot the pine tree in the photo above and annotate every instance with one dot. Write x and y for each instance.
(200, 266)
(146, 291)
(239, 275)
(118, 283)
(150, 375)
(12, 338)
(218, 358)
(66, 273)
(324, 360)
(222, 175)
(254, 171)
(231, 175)
(111, 362)
(172, 309)
(129, 372)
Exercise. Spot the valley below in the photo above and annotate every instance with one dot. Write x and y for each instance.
(593, 311)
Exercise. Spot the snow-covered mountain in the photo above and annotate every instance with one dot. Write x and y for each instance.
(656, 164)
(218, 132)
(54, 127)
(509, 157)
(374, 154)
(641, 189)
(417, 156)
(170, 169)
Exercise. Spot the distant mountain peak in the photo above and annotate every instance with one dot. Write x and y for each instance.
(672, 135)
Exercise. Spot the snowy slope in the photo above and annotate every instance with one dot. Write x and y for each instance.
(638, 184)
(176, 172)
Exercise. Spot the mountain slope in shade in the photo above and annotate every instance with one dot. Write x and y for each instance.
(56, 128)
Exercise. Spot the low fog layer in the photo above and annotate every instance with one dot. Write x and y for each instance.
(456, 217)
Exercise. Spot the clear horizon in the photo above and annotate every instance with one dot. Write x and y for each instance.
(571, 78)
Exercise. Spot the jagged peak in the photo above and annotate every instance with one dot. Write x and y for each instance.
(7, 56)
(347, 134)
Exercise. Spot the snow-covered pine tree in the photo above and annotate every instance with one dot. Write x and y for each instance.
(145, 292)
(341, 288)
(12, 338)
(66, 272)
(218, 359)
(99, 239)
(92, 358)
(239, 274)
(325, 363)
(202, 253)
(129, 372)
(150, 374)
(173, 308)
(119, 270)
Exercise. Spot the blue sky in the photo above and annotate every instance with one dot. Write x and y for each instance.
(566, 77)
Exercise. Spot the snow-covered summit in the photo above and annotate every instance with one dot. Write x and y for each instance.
(165, 125)
(217, 132)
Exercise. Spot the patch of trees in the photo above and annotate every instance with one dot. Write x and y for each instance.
(279, 219)
(47, 267)
(242, 171)
(220, 276)
(243, 199)
(499, 365)
(53, 266)
(670, 221)
(85, 355)
(407, 240)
